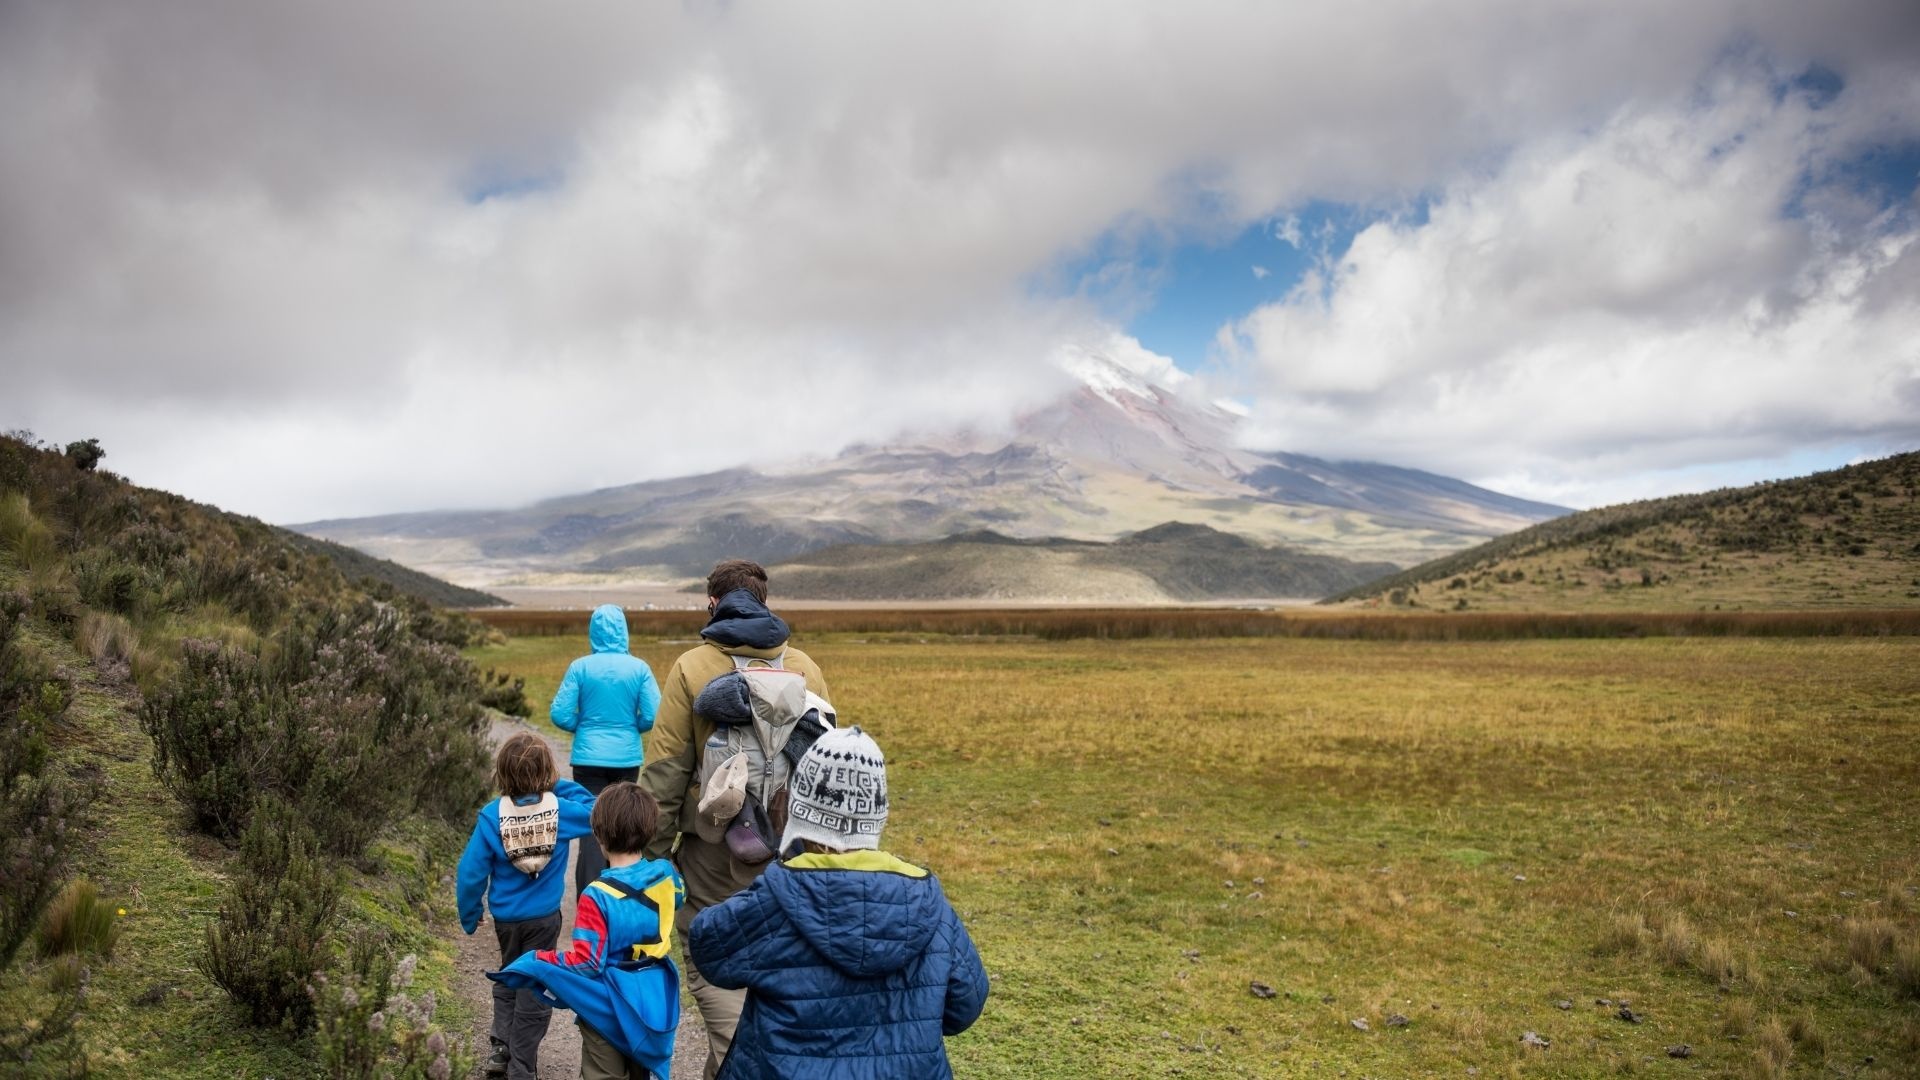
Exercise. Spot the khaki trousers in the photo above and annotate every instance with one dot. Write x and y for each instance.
(719, 1011)
(600, 1061)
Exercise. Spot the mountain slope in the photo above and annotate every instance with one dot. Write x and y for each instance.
(1849, 537)
(1117, 454)
(359, 567)
(1174, 562)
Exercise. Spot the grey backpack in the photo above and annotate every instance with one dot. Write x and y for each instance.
(764, 714)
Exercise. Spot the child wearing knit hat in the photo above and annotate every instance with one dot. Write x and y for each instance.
(856, 963)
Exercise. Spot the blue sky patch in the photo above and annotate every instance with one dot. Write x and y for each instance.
(1174, 293)
(508, 180)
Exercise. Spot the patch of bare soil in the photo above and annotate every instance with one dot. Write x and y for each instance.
(479, 953)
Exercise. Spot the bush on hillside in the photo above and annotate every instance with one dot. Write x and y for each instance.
(350, 718)
(39, 1016)
(506, 692)
(372, 703)
(367, 1025)
(216, 729)
(85, 454)
(270, 936)
(39, 806)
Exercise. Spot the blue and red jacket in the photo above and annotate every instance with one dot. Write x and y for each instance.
(617, 974)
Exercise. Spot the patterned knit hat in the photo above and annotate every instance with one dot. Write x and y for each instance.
(838, 796)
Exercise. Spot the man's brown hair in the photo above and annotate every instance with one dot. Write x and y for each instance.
(738, 574)
(524, 766)
(625, 818)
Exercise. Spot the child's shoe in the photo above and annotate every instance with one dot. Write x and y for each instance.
(497, 1063)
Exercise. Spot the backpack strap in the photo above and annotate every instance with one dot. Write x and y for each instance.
(660, 897)
(742, 663)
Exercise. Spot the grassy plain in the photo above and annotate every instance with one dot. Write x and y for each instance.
(1721, 834)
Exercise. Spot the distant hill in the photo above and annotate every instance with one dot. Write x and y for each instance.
(358, 566)
(1114, 455)
(1166, 563)
(1845, 538)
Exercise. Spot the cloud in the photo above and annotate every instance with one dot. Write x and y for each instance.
(338, 259)
(1687, 282)
(1260, 273)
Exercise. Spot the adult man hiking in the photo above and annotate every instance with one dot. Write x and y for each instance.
(740, 630)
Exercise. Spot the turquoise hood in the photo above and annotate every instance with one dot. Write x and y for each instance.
(608, 630)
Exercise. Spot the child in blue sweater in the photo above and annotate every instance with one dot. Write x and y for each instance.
(516, 864)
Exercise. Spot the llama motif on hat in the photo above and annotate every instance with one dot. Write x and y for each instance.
(838, 795)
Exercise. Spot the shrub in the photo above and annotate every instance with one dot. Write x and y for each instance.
(374, 705)
(506, 693)
(38, 805)
(270, 935)
(38, 1015)
(79, 921)
(107, 581)
(350, 718)
(214, 730)
(85, 454)
(350, 1021)
(368, 1026)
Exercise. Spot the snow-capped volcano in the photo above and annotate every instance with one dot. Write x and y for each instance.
(1126, 449)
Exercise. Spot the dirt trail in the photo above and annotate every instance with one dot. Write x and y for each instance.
(560, 1052)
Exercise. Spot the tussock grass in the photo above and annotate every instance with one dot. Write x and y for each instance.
(1738, 1020)
(79, 921)
(1868, 943)
(1772, 1049)
(1626, 933)
(106, 637)
(1807, 1035)
(1905, 968)
(1677, 942)
(25, 541)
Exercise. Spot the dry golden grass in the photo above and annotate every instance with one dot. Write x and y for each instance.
(1463, 833)
(80, 921)
(1738, 1020)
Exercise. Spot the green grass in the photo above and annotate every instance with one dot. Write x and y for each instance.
(1446, 831)
(150, 1012)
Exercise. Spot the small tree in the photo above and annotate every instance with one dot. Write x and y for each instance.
(85, 454)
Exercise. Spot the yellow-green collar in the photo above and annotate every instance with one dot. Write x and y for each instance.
(878, 861)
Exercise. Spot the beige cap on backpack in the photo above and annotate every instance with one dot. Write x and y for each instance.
(720, 803)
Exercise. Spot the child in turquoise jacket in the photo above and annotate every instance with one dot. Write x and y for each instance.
(607, 699)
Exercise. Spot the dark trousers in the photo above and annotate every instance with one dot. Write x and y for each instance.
(589, 861)
(519, 1016)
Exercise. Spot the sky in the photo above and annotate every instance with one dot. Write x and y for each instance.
(314, 261)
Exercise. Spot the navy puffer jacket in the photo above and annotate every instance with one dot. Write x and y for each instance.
(855, 968)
